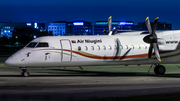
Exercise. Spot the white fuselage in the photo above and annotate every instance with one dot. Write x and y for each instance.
(125, 49)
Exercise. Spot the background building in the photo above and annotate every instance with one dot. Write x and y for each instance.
(7, 29)
(160, 26)
(103, 25)
(127, 25)
(57, 28)
(79, 28)
(70, 28)
(15, 34)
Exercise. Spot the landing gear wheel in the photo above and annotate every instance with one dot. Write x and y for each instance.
(159, 69)
(24, 73)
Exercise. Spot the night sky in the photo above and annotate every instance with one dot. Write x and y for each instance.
(90, 10)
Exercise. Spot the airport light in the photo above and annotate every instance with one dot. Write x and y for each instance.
(35, 25)
(34, 36)
(78, 23)
(125, 23)
(105, 23)
(28, 24)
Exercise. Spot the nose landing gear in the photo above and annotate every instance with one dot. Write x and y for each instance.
(24, 72)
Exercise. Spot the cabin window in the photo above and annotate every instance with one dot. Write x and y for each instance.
(132, 47)
(98, 47)
(43, 44)
(32, 44)
(110, 47)
(121, 47)
(92, 48)
(145, 47)
(126, 46)
(86, 48)
(104, 47)
(79, 48)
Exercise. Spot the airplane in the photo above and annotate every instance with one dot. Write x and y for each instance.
(127, 48)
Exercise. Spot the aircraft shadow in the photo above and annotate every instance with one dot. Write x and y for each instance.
(70, 73)
(81, 73)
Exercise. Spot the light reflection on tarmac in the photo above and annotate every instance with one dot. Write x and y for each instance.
(46, 84)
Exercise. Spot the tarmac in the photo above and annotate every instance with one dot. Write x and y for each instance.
(72, 83)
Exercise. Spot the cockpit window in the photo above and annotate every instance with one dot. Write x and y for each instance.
(43, 44)
(32, 44)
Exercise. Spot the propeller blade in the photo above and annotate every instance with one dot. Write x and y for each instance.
(152, 38)
(110, 24)
(148, 25)
(105, 33)
(150, 51)
(115, 31)
(155, 46)
(155, 25)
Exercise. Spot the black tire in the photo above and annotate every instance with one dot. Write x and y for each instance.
(25, 74)
(159, 69)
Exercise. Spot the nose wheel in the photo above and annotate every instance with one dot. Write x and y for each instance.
(24, 72)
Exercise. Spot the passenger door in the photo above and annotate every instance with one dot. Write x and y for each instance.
(66, 50)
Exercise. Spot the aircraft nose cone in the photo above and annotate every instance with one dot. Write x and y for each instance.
(9, 62)
(14, 60)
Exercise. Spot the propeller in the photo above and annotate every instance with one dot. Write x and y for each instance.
(105, 33)
(115, 31)
(110, 24)
(111, 32)
(152, 38)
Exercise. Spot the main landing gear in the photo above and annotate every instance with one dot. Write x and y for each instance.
(158, 69)
(24, 73)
